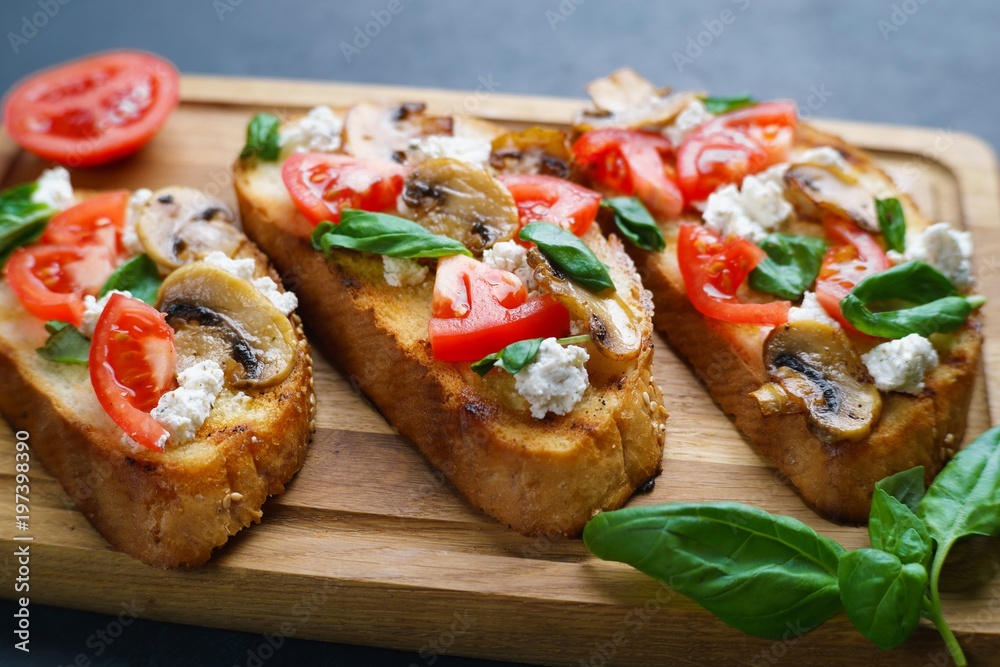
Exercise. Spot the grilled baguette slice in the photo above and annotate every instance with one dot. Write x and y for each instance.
(545, 476)
(166, 509)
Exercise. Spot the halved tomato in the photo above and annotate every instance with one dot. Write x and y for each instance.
(94, 221)
(551, 199)
(322, 185)
(50, 281)
(132, 364)
(855, 256)
(95, 110)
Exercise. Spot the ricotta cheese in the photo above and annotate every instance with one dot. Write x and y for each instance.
(555, 381)
(400, 272)
(136, 202)
(946, 249)
(811, 310)
(183, 410)
(465, 149)
(244, 269)
(92, 309)
(690, 117)
(512, 256)
(900, 365)
(319, 131)
(54, 189)
(752, 212)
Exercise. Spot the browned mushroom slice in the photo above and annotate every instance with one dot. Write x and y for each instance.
(180, 225)
(625, 99)
(535, 150)
(385, 131)
(816, 365)
(816, 190)
(461, 201)
(218, 316)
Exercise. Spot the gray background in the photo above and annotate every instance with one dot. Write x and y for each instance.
(919, 62)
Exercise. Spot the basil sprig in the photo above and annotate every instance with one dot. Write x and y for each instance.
(569, 254)
(892, 222)
(138, 276)
(383, 234)
(938, 306)
(263, 138)
(517, 355)
(763, 573)
(635, 223)
(21, 219)
(791, 265)
(719, 105)
(65, 344)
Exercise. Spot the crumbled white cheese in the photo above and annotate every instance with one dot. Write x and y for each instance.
(400, 271)
(811, 310)
(690, 117)
(946, 249)
(556, 380)
(244, 269)
(241, 399)
(183, 410)
(465, 149)
(824, 156)
(900, 365)
(92, 309)
(136, 203)
(774, 174)
(317, 131)
(54, 189)
(752, 212)
(512, 256)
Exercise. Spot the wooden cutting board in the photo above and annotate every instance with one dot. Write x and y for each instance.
(371, 546)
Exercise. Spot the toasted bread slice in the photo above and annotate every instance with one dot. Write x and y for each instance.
(546, 476)
(171, 508)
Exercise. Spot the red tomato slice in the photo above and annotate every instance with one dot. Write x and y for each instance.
(132, 364)
(95, 110)
(94, 221)
(733, 145)
(479, 310)
(552, 199)
(322, 185)
(856, 255)
(714, 268)
(632, 163)
(51, 280)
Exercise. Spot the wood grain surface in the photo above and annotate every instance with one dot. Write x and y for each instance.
(371, 546)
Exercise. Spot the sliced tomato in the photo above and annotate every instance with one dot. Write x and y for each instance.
(94, 221)
(855, 255)
(551, 199)
(132, 364)
(51, 280)
(322, 185)
(733, 145)
(479, 310)
(714, 268)
(632, 162)
(95, 110)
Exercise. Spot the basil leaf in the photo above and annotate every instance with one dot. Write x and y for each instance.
(907, 487)
(263, 138)
(635, 223)
(791, 265)
(719, 105)
(755, 571)
(569, 254)
(517, 355)
(892, 222)
(894, 528)
(138, 276)
(940, 308)
(383, 234)
(881, 595)
(65, 344)
(21, 219)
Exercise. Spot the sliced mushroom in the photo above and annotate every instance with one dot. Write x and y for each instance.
(461, 201)
(535, 150)
(816, 190)
(384, 131)
(180, 225)
(815, 364)
(625, 99)
(216, 315)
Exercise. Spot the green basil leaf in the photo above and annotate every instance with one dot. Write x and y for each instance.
(569, 254)
(21, 219)
(517, 355)
(755, 571)
(719, 105)
(383, 234)
(881, 595)
(263, 138)
(791, 265)
(65, 344)
(907, 487)
(939, 307)
(893, 527)
(635, 223)
(138, 276)
(892, 222)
